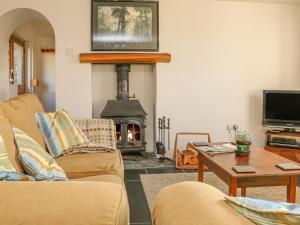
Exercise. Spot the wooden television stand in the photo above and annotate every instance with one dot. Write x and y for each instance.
(286, 152)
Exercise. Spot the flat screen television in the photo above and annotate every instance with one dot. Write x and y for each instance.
(281, 109)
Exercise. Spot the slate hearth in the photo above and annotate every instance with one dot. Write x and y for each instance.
(136, 161)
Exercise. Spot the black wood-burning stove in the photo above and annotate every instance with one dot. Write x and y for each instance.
(128, 115)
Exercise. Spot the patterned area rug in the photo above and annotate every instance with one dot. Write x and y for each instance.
(153, 183)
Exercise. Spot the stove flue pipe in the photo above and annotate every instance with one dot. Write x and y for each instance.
(123, 81)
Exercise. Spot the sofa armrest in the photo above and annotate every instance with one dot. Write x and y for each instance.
(68, 203)
(99, 131)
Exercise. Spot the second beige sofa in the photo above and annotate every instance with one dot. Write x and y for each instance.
(194, 203)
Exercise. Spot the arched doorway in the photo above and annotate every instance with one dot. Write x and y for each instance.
(37, 75)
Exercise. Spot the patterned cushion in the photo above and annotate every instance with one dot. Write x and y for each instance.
(89, 147)
(35, 160)
(101, 132)
(60, 131)
(7, 171)
(266, 212)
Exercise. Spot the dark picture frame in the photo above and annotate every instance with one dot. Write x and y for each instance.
(124, 25)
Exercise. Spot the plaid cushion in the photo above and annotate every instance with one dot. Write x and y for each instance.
(35, 160)
(7, 171)
(60, 131)
(88, 148)
(100, 132)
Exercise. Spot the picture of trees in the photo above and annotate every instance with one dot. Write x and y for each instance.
(125, 23)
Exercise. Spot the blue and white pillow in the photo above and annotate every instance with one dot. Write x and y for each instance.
(264, 212)
(7, 170)
(60, 131)
(35, 160)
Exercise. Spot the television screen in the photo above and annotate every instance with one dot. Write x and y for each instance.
(282, 108)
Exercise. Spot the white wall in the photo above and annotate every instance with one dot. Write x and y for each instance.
(45, 72)
(141, 83)
(71, 23)
(224, 54)
(8, 23)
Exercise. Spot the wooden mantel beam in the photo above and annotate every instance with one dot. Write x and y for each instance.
(126, 58)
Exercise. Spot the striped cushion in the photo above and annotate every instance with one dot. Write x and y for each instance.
(7, 171)
(60, 131)
(35, 160)
(263, 212)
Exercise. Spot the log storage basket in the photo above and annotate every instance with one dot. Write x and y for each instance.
(187, 158)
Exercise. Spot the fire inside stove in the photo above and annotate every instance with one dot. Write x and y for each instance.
(133, 132)
(119, 132)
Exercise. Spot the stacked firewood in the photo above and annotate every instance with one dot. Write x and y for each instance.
(187, 158)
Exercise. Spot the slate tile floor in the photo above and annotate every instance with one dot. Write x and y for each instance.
(139, 210)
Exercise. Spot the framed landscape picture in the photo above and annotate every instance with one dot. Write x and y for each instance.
(124, 25)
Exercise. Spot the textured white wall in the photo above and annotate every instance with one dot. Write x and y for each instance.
(71, 23)
(45, 72)
(224, 54)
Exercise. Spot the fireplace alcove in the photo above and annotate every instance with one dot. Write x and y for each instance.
(127, 113)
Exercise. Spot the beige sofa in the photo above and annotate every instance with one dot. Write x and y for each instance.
(194, 203)
(95, 194)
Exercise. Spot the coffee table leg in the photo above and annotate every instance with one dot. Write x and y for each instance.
(233, 187)
(200, 169)
(291, 190)
(243, 192)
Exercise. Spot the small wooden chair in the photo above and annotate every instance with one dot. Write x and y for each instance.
(187, 158)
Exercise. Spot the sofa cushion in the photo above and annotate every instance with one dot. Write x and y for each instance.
(60, 131)
(103, 178)
(9, 140)
(92, 164)
(21, 116)
(7, 170)
(194, 203)
(35, 160)
(63, 203)
(32, 101)
(99, 131)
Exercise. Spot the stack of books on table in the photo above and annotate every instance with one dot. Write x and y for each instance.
(218, 148)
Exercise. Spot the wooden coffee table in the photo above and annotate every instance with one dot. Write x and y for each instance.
(264, 162)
